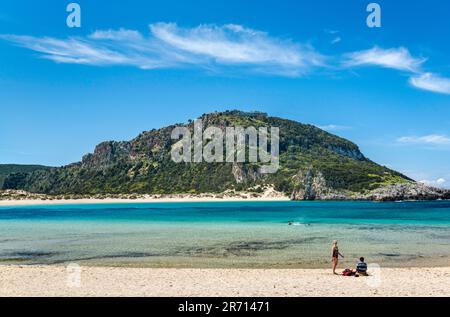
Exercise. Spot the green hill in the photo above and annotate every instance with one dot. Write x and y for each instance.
(314, 164)
(7, 169)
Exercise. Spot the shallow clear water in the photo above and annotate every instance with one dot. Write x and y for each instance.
(237, 234)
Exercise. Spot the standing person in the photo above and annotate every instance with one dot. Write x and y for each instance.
(335, 255)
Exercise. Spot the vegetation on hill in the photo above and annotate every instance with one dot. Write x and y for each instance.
(144, 165)
(7, 169)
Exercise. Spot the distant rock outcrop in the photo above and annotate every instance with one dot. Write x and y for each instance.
(407, 191)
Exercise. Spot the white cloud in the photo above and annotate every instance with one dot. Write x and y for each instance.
(328, 31)
(400, 59)
(171, 46)
(395, 58)
(431, 82)
(84, 51)
(432, 139)
(233, 44)
(336, 40)
(214, 42)
(440, 182)
(333, 127)
(117, 35)
(224, 48)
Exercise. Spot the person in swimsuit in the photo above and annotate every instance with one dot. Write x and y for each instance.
(335, 255)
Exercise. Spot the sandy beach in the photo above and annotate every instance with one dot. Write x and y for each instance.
(37, 202)
(109, 281)
(40, 200)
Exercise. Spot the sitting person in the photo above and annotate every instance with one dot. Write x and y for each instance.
(361, 267)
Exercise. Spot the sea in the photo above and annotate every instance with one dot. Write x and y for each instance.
(227, 234)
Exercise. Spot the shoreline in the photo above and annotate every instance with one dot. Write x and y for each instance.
(42, 281)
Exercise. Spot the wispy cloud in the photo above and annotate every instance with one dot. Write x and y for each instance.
(440, 182)
(220, 48)
(88, 51)
(330, 31)
(235, 44)
(168, 45)
(431, 82)
(336, 40)
(395, 58)
(333, 127)
(402, 60)
(432, 139)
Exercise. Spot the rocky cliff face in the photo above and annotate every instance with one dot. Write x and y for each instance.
(309, 185)
(349, 152)
(106, 154)
(243, 175)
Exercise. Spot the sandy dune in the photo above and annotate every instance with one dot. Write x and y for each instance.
(269, 195)
(107, 281)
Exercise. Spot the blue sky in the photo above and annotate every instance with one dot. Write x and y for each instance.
(145, 64)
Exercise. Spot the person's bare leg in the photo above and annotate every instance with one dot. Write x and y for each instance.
(335, 263)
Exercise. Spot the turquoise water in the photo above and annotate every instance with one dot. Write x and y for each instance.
(234, 234)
